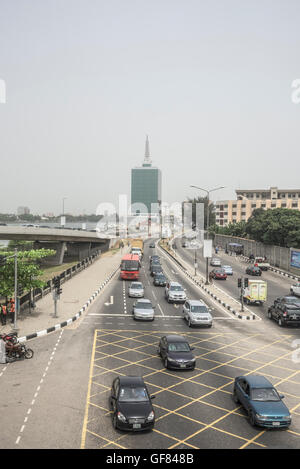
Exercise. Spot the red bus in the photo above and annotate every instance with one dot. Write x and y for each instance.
(130, 266)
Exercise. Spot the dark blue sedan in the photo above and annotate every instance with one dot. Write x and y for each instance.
(262, 402)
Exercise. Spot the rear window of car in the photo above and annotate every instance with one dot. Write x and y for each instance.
(264, 394)
(176, 288)
(198, 309)
(179, 347)
(144, 305)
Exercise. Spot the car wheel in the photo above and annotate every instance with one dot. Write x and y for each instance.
(166, 363)
(269, 315)
(114, 421)
(280, 322)
(189, 323)
(252, 418)
(234, 397)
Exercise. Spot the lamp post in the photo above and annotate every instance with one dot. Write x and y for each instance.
(207, 217)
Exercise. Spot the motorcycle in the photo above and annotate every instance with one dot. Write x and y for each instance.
(22, 352)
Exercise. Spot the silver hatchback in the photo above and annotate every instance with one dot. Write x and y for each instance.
(197, 313)
(136, 290)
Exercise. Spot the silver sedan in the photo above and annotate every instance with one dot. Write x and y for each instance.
(136, 290)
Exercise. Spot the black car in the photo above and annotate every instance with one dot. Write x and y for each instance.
(176, 352)
(156, 269)
(152, 258)
(152, 245)
(131, 404)
(159, 280)
(256, 271)
(286, 311)
(154, 262)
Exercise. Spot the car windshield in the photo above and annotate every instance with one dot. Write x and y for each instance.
(198, 309)
(264, 394)
(220, 271)
(291, 300)
(176, 288)
(144, 305)
(136, 286)
(131, 394)
(160, 276)
(129, 265)
(179, 347)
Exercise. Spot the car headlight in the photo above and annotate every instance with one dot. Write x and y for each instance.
(150, 417)
(193, 359)
(262, 417)
(172, 359)
(121, 417)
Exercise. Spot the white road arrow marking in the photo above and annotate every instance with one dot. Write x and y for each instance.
(111, 301)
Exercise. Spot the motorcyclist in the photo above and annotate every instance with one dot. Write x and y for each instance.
(12, 346)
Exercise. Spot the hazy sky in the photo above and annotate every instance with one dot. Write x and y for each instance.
(86, 80)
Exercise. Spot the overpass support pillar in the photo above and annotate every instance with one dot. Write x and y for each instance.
(59, 246)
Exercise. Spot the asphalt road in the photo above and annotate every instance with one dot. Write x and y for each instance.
(59, 399)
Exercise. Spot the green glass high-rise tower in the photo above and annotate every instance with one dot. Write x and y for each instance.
(145, 186)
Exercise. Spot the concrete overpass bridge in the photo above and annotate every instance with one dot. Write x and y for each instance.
(69, 244)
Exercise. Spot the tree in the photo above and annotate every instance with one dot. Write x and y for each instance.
(29, 271)
(280, 227)
(203, 200)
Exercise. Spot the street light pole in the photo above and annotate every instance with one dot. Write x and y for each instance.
(16, 289)
(207, 218)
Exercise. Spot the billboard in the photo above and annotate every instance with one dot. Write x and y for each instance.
(295, 259)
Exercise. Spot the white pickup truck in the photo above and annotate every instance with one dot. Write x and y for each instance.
(261, 263)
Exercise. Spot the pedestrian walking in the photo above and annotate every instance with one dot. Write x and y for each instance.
(211, 276)
(3, 314)
(11, 305)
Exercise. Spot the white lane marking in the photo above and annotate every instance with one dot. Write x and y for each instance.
(37, 391)
(160, 309)
(154, 294)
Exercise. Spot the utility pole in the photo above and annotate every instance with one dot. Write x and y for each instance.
(242, 284)
(207, 220)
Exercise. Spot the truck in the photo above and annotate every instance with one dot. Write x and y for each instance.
(256, 292)
(137, 247)
(261, 263)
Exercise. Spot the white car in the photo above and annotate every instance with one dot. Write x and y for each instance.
(295, 289)
(228, 269)
(197, 313)
(175, 293)
(136, 290)
(216, 262)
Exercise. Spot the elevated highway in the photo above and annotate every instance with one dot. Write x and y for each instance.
(68, 243)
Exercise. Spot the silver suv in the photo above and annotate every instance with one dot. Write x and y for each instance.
(174, 292)
(197, 313)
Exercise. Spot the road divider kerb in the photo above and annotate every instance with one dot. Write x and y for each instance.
(248, 317)
(74, 318)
